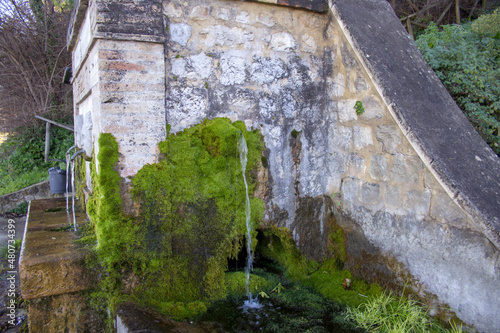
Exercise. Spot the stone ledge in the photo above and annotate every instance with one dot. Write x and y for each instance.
(33, 192)
(320, 6)
(50, 263)
(437, 129)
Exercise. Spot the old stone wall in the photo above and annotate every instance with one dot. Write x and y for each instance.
(294, 75)
(118, 61)
(299, 77)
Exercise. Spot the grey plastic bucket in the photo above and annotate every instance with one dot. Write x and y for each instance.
(57, 179)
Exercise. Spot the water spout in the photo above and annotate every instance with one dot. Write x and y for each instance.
(67, 178)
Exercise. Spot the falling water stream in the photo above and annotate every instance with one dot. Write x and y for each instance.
(73, 196)
(70, 163)
(251, 303)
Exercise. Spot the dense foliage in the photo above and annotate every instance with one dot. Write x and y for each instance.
(22, 157)
(467, 60)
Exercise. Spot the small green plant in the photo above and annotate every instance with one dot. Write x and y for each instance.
(4, 251)
(388, 313)
(359, 108)
(278, 289)
(295, 133)
(21, 209)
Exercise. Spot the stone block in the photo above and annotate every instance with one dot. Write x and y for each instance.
(267, 70)
(390, 136)
(341, 137)
(350, 189)
(172, 10)
(346, 110)
(223, 14)
(406, 169)
(336, 85)
(242, 17)
(370, 194)
(379, 167)
(200, 13)
(348, 58)
(180, 33)
(232, 64)
(360, 83)
(110, 65)
(373, 109)
(362, 136)
(418, 202)
(283, 42)
(394, 199)
(60, 313)
(308, 44)
(221, 35)
(266, 20)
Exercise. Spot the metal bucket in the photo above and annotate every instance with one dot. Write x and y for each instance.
(57, 178)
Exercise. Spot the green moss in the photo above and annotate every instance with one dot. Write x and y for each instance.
(192, 213)
(235, 283)
(80, 181)
(278, 245)
(337, 245)
(327, 278)
(328, 281)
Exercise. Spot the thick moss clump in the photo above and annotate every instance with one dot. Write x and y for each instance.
(192, 212)
(115, 232)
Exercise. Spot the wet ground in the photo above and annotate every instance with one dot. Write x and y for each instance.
(11, 228)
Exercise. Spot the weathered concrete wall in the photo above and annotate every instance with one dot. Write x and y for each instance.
(296, 75)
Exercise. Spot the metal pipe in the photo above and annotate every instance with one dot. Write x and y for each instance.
(81, 151)
(70, 149)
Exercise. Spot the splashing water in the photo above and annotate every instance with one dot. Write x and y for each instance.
(251, 303)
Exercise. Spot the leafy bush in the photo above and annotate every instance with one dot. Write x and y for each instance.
(467, 60)
(22, 156)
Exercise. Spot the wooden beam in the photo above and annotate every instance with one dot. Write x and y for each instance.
(68, 127)
(410, 29)
(47, 141)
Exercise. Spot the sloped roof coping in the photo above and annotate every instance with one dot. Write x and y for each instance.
(437, 129)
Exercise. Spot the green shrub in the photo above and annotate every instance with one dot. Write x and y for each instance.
(22, 157)
(467, 60)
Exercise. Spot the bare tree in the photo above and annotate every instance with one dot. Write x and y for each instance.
(419, 13)
(33, 57)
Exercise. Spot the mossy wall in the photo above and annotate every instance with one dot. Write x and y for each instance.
(191, 215)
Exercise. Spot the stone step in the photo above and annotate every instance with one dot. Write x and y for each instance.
(131, 318)
(51, 270)
(50, 263)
